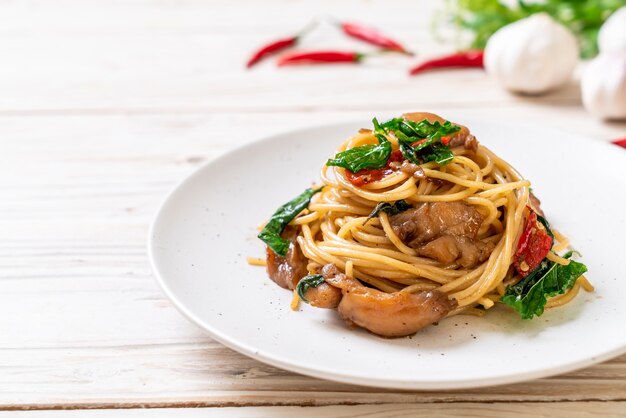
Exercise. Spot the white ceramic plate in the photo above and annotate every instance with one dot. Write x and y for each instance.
(207, 226)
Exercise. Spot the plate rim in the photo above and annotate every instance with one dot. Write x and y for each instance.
(376, 382)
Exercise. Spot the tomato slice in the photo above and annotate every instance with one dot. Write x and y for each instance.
(533, 246)
(364, 176)
(395, 157)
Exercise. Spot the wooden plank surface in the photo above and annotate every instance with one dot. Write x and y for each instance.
(104, 107)
(482, 410)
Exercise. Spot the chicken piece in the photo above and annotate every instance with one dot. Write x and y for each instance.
(323, 296)
(444, 231)
(449, 248)
(427, 221)
(413, 169)
(287, 271)
(387, 314)
(462, 137)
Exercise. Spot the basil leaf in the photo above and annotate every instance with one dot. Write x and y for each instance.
(409, 153)
(379, 132)
(529, 296)
(365, 156)
(399, 206)
(427, 142)
(421, 129)
(279, 220)
(390, 125)
(429, 147)
(408, 129)
(377, 125)
(308, 282)
(426, 129)
(439, 153)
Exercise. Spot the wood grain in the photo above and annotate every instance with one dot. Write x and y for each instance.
(81, 316)
(493, 410)
(104, 108)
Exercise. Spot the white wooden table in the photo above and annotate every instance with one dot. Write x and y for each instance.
(104, 106)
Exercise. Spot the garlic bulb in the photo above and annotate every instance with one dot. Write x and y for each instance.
(532, 55)
(612, 35)
(603, 86)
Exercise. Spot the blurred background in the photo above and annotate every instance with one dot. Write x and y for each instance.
(188, 57)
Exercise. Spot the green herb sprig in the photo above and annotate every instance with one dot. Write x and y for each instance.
(481, 18)
(420, 142)
(281, 218)
(308, 282)
(364, 156)
(391, 209)
(529, 296)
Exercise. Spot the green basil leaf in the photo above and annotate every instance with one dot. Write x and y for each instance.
(408, 129)
(426, 129)
(409, 153)
(403, 138)
(279, 220)
(426, 142)
(391, 124)
(439, 153)
(399, 206)
(308, 282)
(379, 131)
(529, 295)
(420, 142)
(377, 126)
(421, 129)
(366, 156)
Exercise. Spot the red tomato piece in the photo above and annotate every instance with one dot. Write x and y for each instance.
(533, 246)
(395, 157)
(364, 176)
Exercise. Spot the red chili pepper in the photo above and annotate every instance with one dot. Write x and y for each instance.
(534, 244)
(365, 176)
(320, 57)
(620, 142)
(467, 59)
(278, 45)
(270, 48)
(371, 36)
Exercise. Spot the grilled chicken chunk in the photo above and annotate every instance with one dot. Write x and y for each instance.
(444, 231)
(387, 314)
(465, 251)
(324, 296)
(287, 271)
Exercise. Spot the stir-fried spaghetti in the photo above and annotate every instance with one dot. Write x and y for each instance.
(458, 232)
